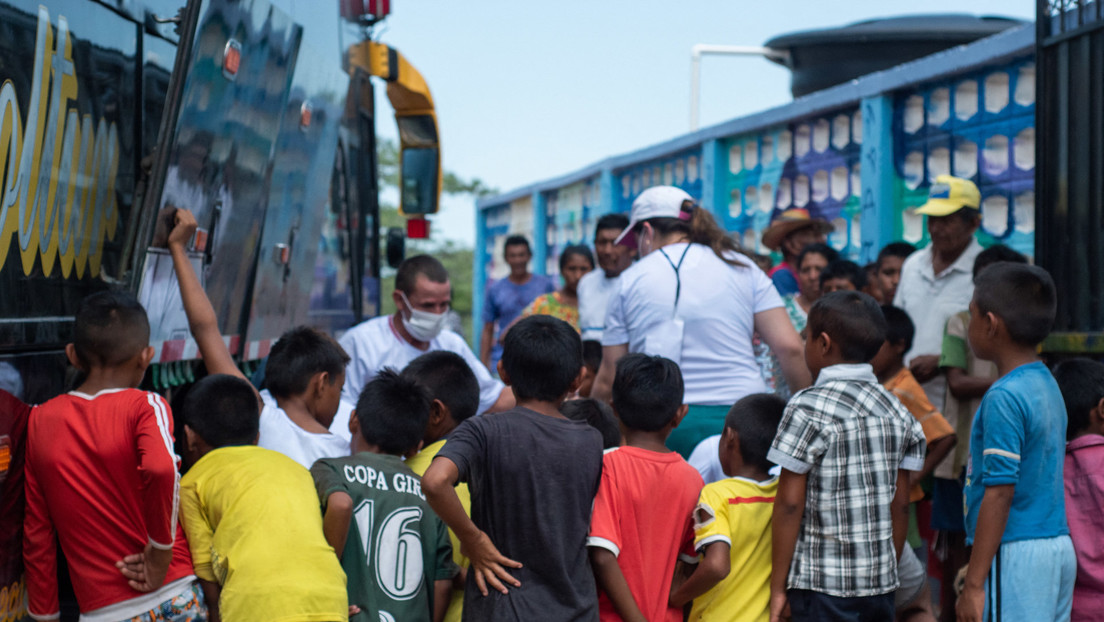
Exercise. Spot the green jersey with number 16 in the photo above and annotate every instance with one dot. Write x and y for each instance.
(396, 547)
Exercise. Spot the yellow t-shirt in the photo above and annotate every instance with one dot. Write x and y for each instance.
(737, 511)
(254, 526)
(419, 463)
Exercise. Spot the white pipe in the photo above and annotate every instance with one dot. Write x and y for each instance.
(700, 49)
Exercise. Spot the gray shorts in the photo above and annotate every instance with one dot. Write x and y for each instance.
(911, 576)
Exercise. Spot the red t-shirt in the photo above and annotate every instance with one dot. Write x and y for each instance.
(102, 475)
(642, 514)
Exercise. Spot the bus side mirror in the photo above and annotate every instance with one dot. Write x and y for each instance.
(419, 177)
(396, 246)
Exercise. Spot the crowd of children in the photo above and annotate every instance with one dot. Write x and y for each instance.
(564, 508)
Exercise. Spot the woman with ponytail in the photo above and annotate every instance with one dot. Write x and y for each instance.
(695, 298)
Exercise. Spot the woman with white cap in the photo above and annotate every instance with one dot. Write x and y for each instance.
(693, 297)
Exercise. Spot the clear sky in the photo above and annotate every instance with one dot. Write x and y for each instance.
(529, 90)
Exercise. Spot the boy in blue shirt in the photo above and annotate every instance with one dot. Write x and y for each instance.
(1022, 566)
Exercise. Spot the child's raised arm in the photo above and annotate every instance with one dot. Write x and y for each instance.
(487, 563)
(202, 320)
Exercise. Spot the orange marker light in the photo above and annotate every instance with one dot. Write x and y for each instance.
(231, 59)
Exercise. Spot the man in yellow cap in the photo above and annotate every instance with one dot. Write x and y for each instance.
(937, 281)
(788, 233)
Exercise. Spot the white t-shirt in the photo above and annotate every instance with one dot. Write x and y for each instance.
(930, 300)
(594, 291)
(279, 433)
(706, 460)
(374, 345)
(717, 304)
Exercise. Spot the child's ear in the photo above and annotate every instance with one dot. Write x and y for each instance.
(1096, 415)
(354, 424)
(679, 415)
(71, 354)
(437, 413)
(823, 341)
(578, 381)
(146, 357)
(899, 348)
(502, 375)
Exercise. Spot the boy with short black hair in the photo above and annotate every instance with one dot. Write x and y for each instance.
(394, 549)
(599, 415)
(237, 501)
(890, 259)
(846, 423)
(1022, 565)
(1082, 383)
(454, 390)
(533, 475)
(732, 522)
(102, 479)
(841, 275)
(634, 542)
(304, 376)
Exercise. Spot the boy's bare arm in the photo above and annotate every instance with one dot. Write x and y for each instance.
(937, 451)
(202, 320)
(612, 581)
(711, 570)
(789, 508)
(336, 520)
(211, 592)
(442, 594)
(992, 519)
(488, 565)
(899, 511)
(964, 386)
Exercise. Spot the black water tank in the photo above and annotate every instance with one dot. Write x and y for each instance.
(827, 57)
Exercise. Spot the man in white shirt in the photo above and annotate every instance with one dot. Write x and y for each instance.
(595, 288)
(422, 297)
(937, 281)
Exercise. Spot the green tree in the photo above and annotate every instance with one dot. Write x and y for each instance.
(457, 258)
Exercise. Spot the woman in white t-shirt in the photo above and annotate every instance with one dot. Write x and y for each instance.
(695, 298)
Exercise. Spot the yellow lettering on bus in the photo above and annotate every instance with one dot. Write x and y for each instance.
(58, 197)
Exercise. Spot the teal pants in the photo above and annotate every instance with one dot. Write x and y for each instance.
(700, 422)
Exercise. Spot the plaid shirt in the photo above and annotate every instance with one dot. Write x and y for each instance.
(850, 435)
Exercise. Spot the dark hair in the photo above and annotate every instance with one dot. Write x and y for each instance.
(516, 240)
(647, 391)
(419, 265)
(448, 378)
(301, 353)
(816, 248)
(110, 328)
(994, 254)
(598, 415)
(223, 410)
(1021, 295)
(1082, 383)
(393, 412)
(969, 215)
(576, 249)
(701, 228)
(844, 269)
(755, 419)
(853, 320)
(895, 249)
(592, 355)
(899, 326)
(611, 221)
(542, 356)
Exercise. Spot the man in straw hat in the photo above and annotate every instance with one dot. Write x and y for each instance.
(790, 232)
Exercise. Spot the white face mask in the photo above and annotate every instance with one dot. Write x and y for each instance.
(423, 325)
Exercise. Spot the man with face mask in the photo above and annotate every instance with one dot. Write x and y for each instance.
(419, 325)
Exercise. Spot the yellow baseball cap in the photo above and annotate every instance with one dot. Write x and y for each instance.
(948, 195)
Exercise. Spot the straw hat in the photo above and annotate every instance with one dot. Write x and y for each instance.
(789, 221)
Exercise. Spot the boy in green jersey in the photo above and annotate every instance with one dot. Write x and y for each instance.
(393, 548)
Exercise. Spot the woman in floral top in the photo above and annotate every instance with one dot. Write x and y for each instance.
(575, 261)
(812, 260)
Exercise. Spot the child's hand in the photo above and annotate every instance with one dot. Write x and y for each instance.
(145, 571)
(487, 564)
(184, 226)
(779, 607)
(970, 605)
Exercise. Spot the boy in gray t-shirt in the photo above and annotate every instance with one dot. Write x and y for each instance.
(533, 475)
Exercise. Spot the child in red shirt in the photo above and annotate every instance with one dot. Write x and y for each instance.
(642, 513)
(102, 479)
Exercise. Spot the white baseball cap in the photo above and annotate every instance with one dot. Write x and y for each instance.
(655, 202)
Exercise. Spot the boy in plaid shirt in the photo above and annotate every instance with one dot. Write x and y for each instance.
(844, 445)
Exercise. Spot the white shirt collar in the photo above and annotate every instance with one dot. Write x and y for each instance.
(862, 372)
